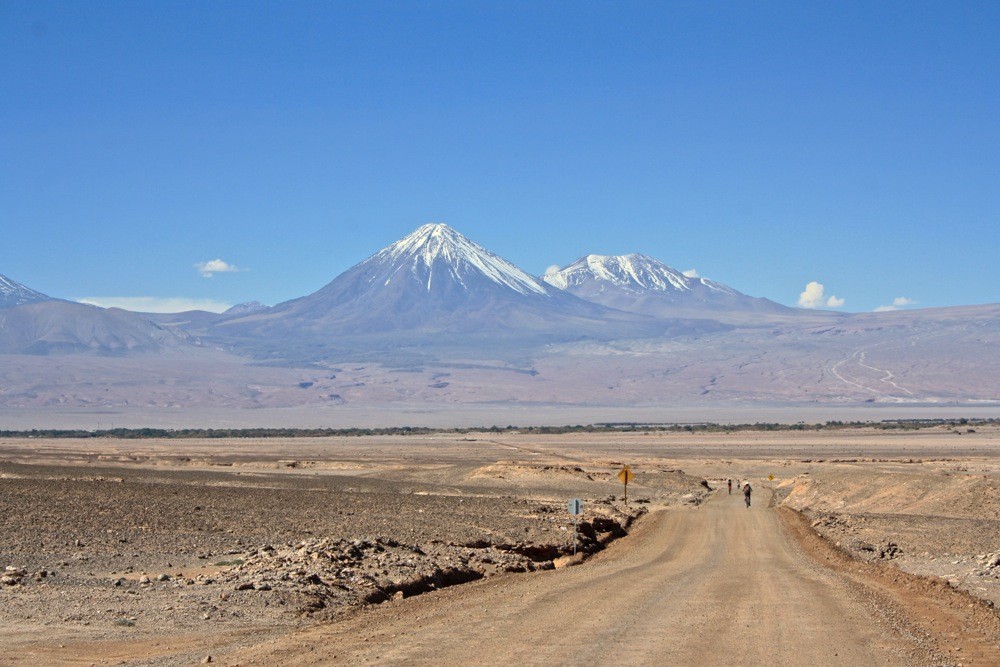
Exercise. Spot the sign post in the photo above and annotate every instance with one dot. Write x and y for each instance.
(576, 509)
(626, 475)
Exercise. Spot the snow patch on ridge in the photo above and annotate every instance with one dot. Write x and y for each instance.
(13, 293)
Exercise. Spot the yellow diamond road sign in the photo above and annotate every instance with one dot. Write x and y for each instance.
(626, 475)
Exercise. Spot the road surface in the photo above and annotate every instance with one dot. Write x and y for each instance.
(715, 585)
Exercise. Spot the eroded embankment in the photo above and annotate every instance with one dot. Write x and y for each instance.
(942, 523)
(321, 577)
(955, 626)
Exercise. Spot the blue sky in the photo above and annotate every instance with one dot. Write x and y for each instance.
(766, 145)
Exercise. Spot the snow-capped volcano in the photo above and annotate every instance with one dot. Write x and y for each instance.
(13, 293)
(641, 284)
(436, 252)
(431, 272)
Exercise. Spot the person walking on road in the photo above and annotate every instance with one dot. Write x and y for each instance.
(730, 486)
(746, 493)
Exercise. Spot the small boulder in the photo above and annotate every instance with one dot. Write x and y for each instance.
(568, 561)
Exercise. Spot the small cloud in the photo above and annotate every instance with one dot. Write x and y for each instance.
(692, 273)
(213, 266)
(156, 304)
(552, 270)
(815, 296)
(897, 303)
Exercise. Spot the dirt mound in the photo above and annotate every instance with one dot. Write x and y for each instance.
(958, 495)
(511, 470)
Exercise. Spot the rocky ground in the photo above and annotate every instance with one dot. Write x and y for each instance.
(102, 546)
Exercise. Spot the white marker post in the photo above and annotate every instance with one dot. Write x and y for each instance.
(576, 509)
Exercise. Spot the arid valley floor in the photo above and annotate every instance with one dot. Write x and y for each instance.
(862, 546)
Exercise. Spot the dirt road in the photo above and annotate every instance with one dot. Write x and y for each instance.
(718, 584)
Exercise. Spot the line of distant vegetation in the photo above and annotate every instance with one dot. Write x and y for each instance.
(616, 427)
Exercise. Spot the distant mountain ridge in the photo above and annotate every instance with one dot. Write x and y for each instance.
(436, 319)
(58, 327)
(35, 323)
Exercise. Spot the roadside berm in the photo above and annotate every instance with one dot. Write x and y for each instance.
(321, 577)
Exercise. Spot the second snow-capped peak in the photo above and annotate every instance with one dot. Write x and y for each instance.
(634, 272)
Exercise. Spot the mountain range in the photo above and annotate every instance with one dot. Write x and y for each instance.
(432, 294)
(437, 319)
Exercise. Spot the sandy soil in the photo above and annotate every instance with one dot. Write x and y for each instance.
(164, 552)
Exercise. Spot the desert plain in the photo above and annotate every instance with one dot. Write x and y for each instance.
(862, 545)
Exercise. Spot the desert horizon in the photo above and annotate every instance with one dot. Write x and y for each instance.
(563, 333)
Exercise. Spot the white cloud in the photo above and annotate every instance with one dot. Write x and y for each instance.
(815, 296)
(213, 266)
(692, 273)
(156, 304)
(552, 269)
(897, 303)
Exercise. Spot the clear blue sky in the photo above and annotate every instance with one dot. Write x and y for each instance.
(766, 145)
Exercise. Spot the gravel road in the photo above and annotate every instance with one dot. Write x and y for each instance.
(719, 584)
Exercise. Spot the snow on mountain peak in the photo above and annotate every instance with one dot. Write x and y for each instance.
(13, 293)
(438, 247)
(633, 272)
(246, 308)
